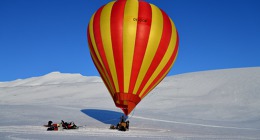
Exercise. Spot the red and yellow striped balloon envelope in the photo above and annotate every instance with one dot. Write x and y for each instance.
(133, 45)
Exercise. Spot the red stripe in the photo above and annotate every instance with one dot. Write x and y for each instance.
(100, 47)
(167, 66)
(142, 37)
(162, 48)
(117, 18)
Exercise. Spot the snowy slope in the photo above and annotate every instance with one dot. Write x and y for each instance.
(219, 104)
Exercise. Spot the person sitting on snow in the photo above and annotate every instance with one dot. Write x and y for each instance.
(64, 124)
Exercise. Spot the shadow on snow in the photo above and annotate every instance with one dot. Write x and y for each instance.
(104, 116)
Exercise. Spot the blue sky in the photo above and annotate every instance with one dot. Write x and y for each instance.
(41, 36)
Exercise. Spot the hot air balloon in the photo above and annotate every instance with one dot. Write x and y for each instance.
(133, 45)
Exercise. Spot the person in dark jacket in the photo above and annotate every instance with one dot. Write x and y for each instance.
(50, 123)
(122, 119)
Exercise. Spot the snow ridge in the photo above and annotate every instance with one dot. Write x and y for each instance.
(52, 79)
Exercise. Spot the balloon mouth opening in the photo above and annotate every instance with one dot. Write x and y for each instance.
(127, 109)
(126, 101)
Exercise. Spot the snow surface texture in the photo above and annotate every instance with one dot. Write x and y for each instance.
(209, 105)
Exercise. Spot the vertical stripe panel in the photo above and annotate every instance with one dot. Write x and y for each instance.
(153, 43)
(93, 46)
(163, 54)
(97, 41)
(129, 35)
(107, 43)
(160, 53)
(98, 66)
(92, 37)
(116, 22)
(142, 36)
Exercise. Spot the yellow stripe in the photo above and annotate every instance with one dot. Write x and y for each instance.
(165, 59)
(153, 43)
(129, 35)
(107, 43)
(92, 37)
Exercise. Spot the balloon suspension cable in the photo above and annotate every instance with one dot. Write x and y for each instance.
(132, 114)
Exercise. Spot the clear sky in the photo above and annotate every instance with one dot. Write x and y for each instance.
(41, 36)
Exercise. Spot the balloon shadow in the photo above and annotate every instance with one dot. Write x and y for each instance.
(104, 116)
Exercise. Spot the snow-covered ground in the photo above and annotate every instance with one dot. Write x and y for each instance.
(209, 105)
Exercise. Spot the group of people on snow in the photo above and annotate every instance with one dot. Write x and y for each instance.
(60, 126)
(123, 125)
